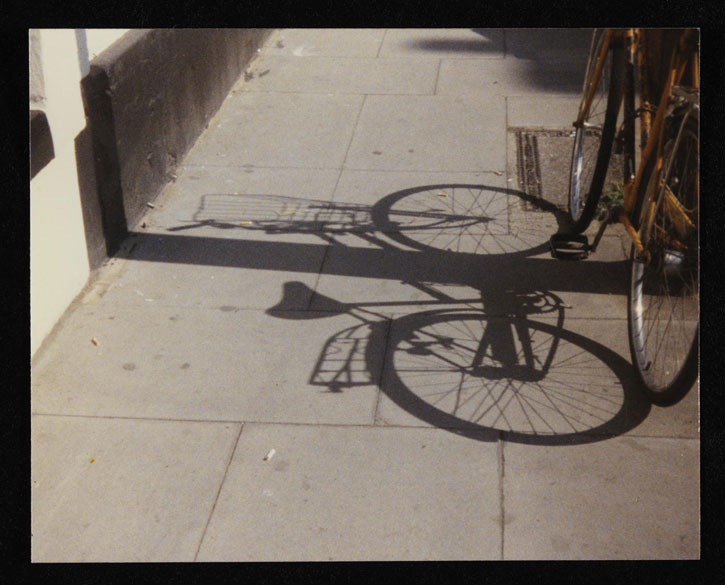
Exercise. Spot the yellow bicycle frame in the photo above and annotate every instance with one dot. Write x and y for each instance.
(651, 133)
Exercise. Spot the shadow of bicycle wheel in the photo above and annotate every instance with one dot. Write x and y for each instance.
(524, 381)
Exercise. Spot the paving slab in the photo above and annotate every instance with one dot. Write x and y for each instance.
(441, 43)
(221, 364)
(279, 130)
(119, 490)
(380, 277)
(680, 421)
(429, 133)
(348, 75)
(426, 206)
(211, 267)
(549, 45)
(628, 498)
(325, 42)
(510, 77)
(186, 201)
(532, 112)
(228, 237)
(350, 493)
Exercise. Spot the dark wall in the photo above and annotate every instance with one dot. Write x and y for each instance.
(147, 98)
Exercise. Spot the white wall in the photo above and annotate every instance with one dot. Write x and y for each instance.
(58, 258)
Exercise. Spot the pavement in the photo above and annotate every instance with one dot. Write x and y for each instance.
(277, 364)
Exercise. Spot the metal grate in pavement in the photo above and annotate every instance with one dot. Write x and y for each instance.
(542, 162)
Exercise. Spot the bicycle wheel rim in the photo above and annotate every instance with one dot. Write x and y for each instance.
(593, 139)
(664, 291)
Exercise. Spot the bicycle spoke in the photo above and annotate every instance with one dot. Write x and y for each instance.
(664, 290)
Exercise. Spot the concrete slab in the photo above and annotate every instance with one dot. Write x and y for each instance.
(325, 42)
(210, 267)
(279, 130)
(219, 364)
(461, 43)
(182, 202)
(627, 498)
(343, 494)
(510, 77)
(534, 112)
(224, 236)
(429, 133)
(425, 207)
(341, 75)
(370, 187)
(549, 44)
(382, 277)
(112, 490)
(680, 421)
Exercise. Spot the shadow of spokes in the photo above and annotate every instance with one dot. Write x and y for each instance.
(519, 380)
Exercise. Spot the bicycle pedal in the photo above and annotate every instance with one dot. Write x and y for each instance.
(569, 246)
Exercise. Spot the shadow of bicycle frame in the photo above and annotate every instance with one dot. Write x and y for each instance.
(506, 362)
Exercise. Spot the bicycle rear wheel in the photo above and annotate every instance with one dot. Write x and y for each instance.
(664, 289)
(594, 137)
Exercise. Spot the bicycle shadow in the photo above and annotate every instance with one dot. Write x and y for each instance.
(497, 364)
(485, 375)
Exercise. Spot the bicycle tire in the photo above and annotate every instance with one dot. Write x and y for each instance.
(665, 346)
(588, 170)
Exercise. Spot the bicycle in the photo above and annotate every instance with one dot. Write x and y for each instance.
(659, 205)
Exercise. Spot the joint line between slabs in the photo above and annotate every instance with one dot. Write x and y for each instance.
(501, 474)
(383, 369)
(219, 491)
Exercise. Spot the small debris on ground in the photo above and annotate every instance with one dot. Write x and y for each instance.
(94, 341)
(269, 455)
